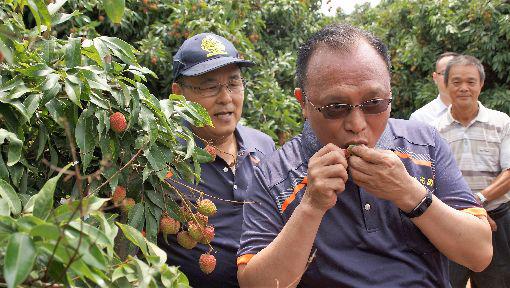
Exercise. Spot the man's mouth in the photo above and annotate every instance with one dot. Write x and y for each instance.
(355, 143)
(224, 115)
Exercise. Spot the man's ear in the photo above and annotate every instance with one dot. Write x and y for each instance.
(176, 88)
(298, 93)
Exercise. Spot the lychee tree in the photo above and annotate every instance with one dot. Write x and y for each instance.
(84, 150)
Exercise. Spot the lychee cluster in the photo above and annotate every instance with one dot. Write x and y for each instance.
(194, 230)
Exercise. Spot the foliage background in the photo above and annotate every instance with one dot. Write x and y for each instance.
(269, 33)
(35, 66)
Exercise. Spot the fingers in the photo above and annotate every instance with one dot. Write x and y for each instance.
(371, 155)
(329, 155)
(331, 171)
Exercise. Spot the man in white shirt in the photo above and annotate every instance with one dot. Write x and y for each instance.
(437, 107)
(480, 142)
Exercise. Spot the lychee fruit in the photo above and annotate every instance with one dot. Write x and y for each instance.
(118, 122)
(206, 207)
(201, 219)
(127, 205)
(168, 225)
(211, 150)
(185, 213)
(118, 195)
(207, 263)
(195, 231)
(185, 240)
(154, 60)
(207, 235)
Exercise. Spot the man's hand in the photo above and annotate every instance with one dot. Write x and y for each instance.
(383, 174)
(327, 174)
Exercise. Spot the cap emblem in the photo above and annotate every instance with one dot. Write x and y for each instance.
(213, 46)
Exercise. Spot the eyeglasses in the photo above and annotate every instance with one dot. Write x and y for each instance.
(212, 89)
(339, 110)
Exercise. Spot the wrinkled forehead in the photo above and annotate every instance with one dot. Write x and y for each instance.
(354, 67)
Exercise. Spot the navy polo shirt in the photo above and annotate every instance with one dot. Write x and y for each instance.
(217, 179)
(362, 241)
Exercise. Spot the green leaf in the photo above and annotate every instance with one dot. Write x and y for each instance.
(120, 49)
(104, 53)
(4, 208)
(42, 138)
(40, 12)
(19, 259)
(46, 231)
(86, 136)
(4, 172)
(151, 223)
(73, 54)
(114, 9)
(72, 86)
(134, 236)
(148, 123)
(158, 158)
(15, 146)
(136, 216)
(10, 196)
(31, 104)
(43, 201)
(95, 234)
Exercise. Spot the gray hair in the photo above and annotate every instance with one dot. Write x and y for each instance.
(464, 60)
(342, 37)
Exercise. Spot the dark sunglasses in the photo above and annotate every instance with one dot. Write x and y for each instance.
(339, 110)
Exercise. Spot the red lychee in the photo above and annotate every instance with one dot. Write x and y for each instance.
(168, 225)
(118, 195)
(118, 122)
(211, 150)
(207, 235)
(207, 263)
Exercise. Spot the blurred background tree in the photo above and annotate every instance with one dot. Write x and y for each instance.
(419, 31)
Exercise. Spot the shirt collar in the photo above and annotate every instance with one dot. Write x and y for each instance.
(311, 143)
(482, 116)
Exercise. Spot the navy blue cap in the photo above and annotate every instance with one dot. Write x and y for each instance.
(203, 53)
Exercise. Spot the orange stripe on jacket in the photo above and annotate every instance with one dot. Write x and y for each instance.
(415, 161)
(244, 259)
(294, 193)
(476, 211)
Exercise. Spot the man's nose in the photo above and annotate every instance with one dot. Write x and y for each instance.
(355, 121)
(224, 94)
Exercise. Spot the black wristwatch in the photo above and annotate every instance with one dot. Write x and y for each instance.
(421, 207)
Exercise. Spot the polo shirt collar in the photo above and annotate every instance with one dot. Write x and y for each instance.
(482, 116)
(311, 143)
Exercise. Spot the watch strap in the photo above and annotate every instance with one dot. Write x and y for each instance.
(421, 207)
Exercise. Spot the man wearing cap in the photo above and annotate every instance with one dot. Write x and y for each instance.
(207, 71)
(387, 214)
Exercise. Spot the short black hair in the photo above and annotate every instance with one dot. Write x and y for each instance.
(464, 60)
(339, 36)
